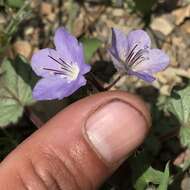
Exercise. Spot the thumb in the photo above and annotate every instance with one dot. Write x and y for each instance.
(80, 146)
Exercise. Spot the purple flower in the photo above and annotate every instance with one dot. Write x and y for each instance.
(61, 70)
(132, 55)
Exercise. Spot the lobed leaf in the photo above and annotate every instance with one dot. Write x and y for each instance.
(179, 105)
(149, 176)
(15, 90)
(143, 173)
(184, 135)
(165, 179)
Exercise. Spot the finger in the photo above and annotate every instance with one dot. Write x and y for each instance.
(80, 146)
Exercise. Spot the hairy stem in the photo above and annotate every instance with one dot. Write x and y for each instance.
(92, 78)
(33, 117)
(113, 83)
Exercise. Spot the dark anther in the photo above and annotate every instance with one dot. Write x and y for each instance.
(139, 56)
(55, 60)
(55, 72)
(64, 66)
(65, 62)
(131, 53)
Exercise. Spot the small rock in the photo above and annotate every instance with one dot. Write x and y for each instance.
(51, 17)
(186, 27)
(181, 14)
(23, 48)
(121, 82)
(177, 40)
(46, 8)
(29, 31)
(162, 24)
(162, 79)
(118, 12)
(173, 75)
(166, 90)
(34, 3)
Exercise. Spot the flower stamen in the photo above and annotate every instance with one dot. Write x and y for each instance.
(55, 72)
(131, 53)
(136, 58)
(139, 55)
(64, 63)
(55, 60)
(69, 71)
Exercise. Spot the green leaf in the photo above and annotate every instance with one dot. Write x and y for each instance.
(15, 3)
(143, 173)
(165, 179)
(90, 47)
(184, 135)
(179, 105)
(15, 90)
(149, 176)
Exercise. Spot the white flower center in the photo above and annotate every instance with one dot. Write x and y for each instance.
(74, 72)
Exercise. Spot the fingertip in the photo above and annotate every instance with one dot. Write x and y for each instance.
(118, 126)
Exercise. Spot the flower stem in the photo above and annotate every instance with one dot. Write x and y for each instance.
(92, 78)
(113, 83)
(33, 117)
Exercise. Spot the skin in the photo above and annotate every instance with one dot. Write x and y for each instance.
(60, 157)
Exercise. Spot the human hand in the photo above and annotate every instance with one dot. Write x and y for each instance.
(80, 147)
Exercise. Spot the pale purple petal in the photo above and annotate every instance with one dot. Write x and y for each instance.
(50, 88)
(56, 88)
(68, 46)
(84, 68)
(140, 38)
(70, 49)
(142, 75)
(41, 60)
(79, 55)
(118, 64)
(81, 81)
(65, 43)
(119, 47)
(157, 61)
